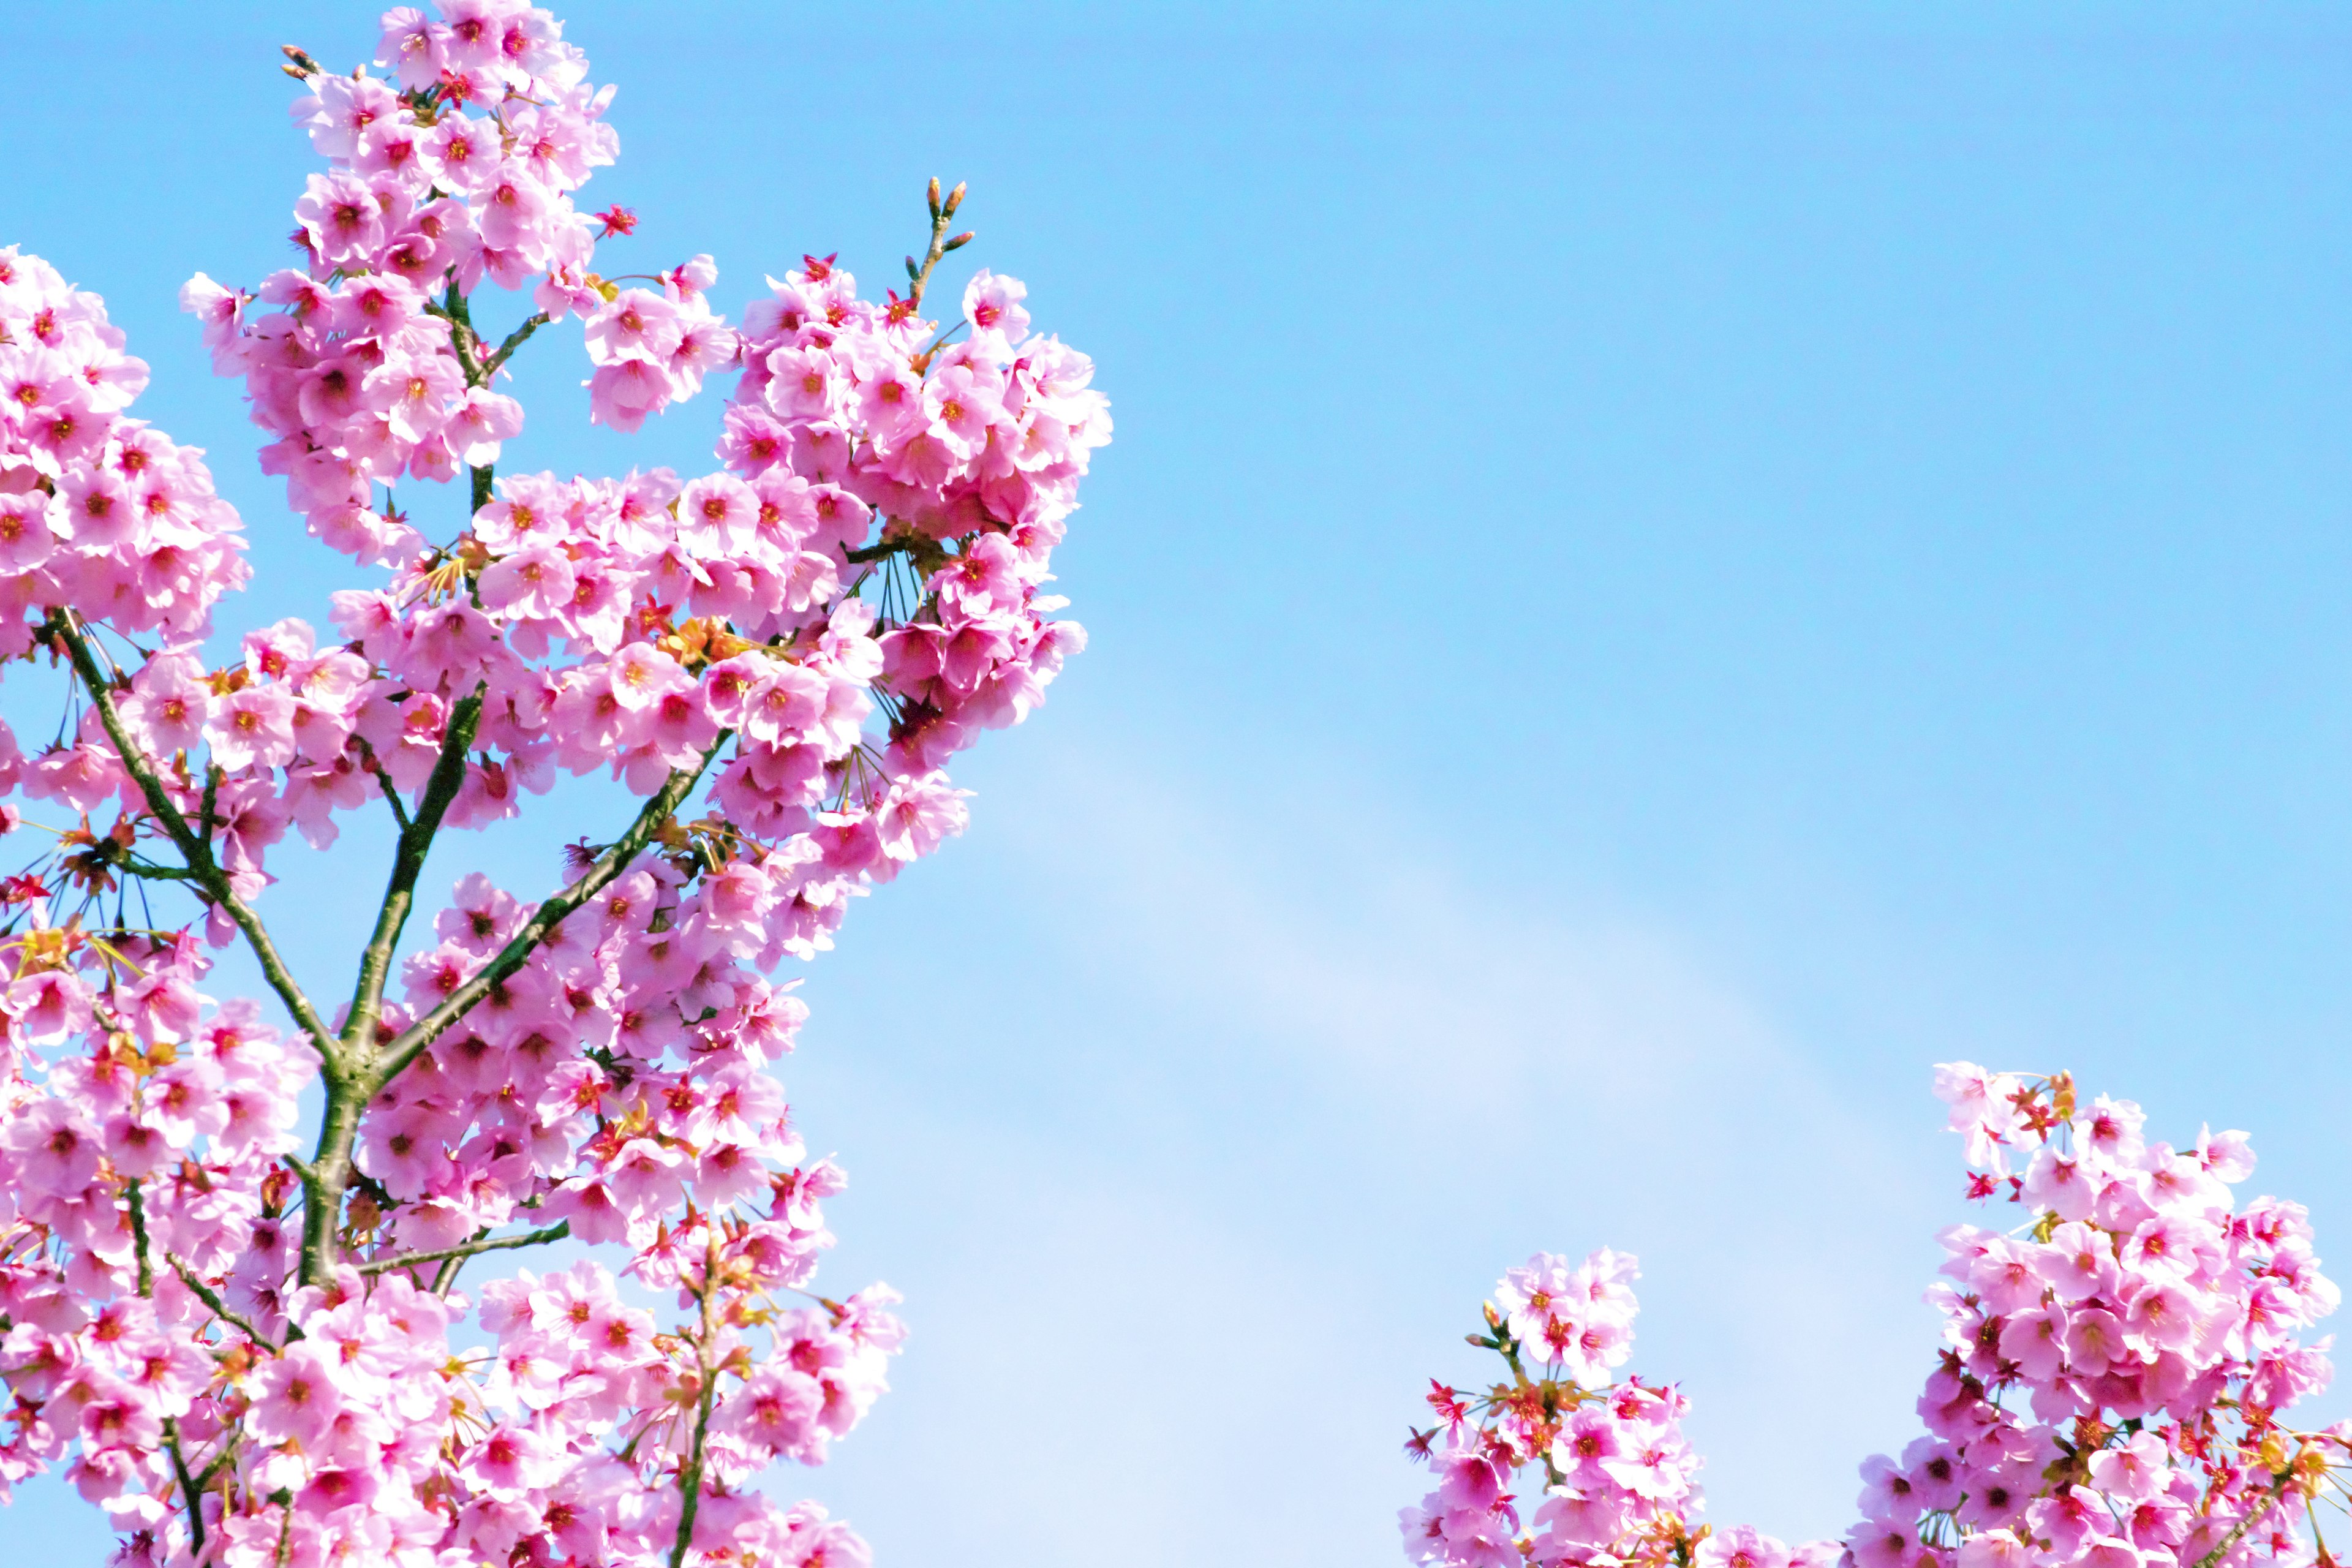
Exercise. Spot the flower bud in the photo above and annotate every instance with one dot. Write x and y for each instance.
(959, 241)
(935, 196)
(955, 200)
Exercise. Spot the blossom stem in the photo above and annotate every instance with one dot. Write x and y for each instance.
(226, 1457)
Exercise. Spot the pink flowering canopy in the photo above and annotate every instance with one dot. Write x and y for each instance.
(242, 1335)
(2112, 1390)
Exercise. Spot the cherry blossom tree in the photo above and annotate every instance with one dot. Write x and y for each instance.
(2112, 1390)
(232, 1238)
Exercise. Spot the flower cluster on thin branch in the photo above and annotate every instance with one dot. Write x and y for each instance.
(2112, 1392)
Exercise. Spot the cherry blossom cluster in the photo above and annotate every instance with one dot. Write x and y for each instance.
(1606, 1458)
(161, 1340)
(461, 166)
(249, 1354)
(100, 513)
(2112, 1392)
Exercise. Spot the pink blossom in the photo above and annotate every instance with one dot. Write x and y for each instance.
(2036, 1341)
(1741, 1547)
(294, 1398)
(251, 726)
(413, 394)
(536, 582)
(993, 306)
(343, 218)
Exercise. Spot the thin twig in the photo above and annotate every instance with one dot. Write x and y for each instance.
(210, 1297)
(391, 791)
(514, 341)
(190, 1493)
(195, 852)
(139, 1237)
(555, 1232)
(943, 214)
(689, 1475)
(416, 836)
(2278, 1488)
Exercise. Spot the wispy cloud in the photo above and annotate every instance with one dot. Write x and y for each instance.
(1252, 1103)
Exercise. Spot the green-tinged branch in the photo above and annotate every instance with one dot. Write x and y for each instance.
(416, 836)
(220, 1309)
(204, 870)
(555, 1232)
(412, 1041)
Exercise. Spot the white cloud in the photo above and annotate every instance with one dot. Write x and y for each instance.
(1191, 1240)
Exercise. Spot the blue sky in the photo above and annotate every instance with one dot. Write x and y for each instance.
(1664, 568)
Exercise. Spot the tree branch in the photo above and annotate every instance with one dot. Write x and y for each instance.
(416, 836)
(943, 214)
(2278, 1488)
(412, 1040)
(139, 1237)
(689, 1475)
(879, 549)
(192, 1494)
(210, 1297)
(207, 871)
(515, 340)
(135, 867)
(555, 1232)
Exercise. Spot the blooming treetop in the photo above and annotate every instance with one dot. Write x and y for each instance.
(2111, 1391)
(243, 1352)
